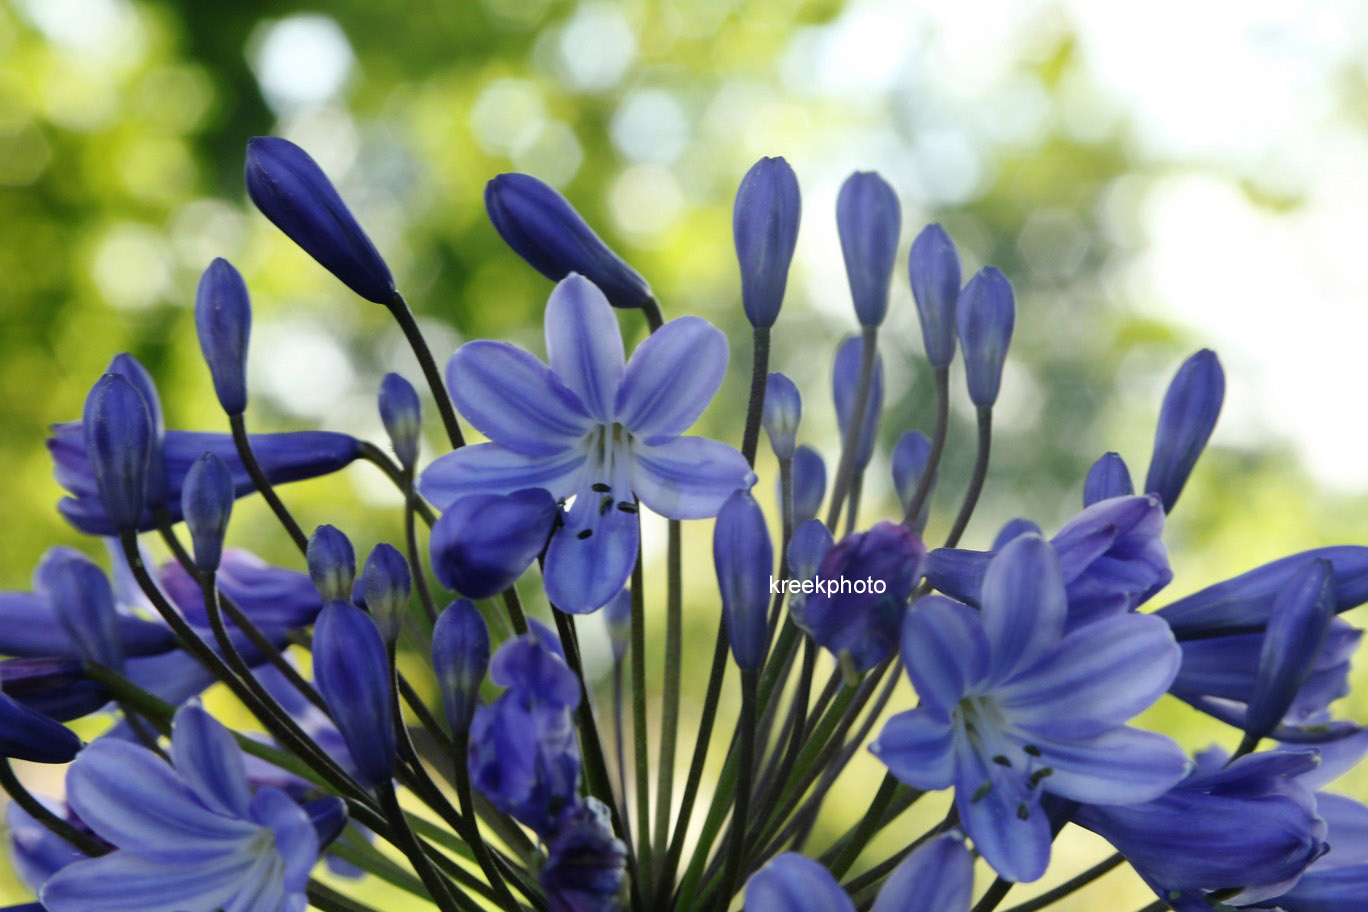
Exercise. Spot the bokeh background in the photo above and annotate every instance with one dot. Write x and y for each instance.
(1154, 179)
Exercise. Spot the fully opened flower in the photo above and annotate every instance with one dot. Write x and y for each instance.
(1012, 705)
(592, 427)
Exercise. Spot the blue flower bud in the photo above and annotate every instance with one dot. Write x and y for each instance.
(118, 438)
(617, 614)
(845, 380)
(55, 687)
(933, 267)
(783, 409)
(28, 735)
(206, 503)
(351, 669)
(1292, 642)
(293, 192)
(223, 319)
(402, 416)
(586, 864)
(132, 370)
(546, 231)
(1186, 420)
(744, 559)
(460, 657)
(809, 483)
(985, 315)
(83, 601)
(1108, 477)
(794, 883)
(910, 457)
(385, 586)
(332, 563)
(868, 218)
(484, 542)
(808, 548)
(765, 228)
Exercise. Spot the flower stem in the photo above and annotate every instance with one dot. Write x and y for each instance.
(869, 825)
(404, 316)
(928, 476)
(639, 734)
(674, 651)
(850, 441)
(263, 484)
(1049, 897)
(327, 899)
(39, 812)
(971, 494)
(741, 808)
(443, 893)
(755, 407)
(416, 569)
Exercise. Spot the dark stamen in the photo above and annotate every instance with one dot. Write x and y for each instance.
(981, 792)
(626, 507)
(604, 503)
(600, 488)
(1001, 760)
(584, 533)
(1032, 750)
(1023, 812)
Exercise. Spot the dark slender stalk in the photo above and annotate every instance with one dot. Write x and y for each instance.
(928, 477)
(620, 749)
(741, 807)
(404, 316)
(1050, 897)
(373, 454)
(971, 495)
(641, 745)
(411, 545)
(515, 610)
(83, 841)
(442, 891)
(902, 800)
(324, 897)
(850, 441)
(869, 825)
(654, 317)
(853, 501)
(263, 484)
(674, 651)
(472, 828)
(1157, 906)
(750, 440)
(871, 878)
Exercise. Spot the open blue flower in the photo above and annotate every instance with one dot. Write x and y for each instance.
(594, 427)
(1012, 705)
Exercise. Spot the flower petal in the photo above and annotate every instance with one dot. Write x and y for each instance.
(671, 378)
(1122, 766)
(1017, 848)
(487, 468)
(296, 840)
(584, 344)
(918, 750)
(209, 761)
(944, 651)
(938, 877)
(262, 889)
(583, 574)
(122, 882)
(514, 399)
(688, 477)
(1347, 829)
(795, 883)
(1024, 606)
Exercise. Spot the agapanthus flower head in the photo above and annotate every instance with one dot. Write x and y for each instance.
(744, 559)
(586, 865)
(933, 268)
(868, 219)
(1107, 478)
(223, 320)
(352, 670)
(781, 413)
(401, 413)
(910, 457)
(809, 483)
(594, 427)
(765, 230)
(332, 563)
(291, 190)
(985, 316)
(118, 442)
(83, 603)
(545, 230)
(460, 658)
(482, 543)
(1186, 420)
(845, 384)
(207, 504)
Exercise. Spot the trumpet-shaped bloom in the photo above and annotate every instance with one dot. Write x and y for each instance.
(594, 427)
(1013, 705)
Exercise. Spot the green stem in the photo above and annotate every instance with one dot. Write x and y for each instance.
(263, 484)
(325, 898)
(639, 734)
(443, 893)
(869, 825)
(674, 650)
(928, 476)
(1050, 897)
(82, 841)
(750, 440)
(741, 810)
(404, 316)
(971, 495)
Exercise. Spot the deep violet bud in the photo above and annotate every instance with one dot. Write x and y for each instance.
(809, 483)
(332, 563)
(207, 502)
(868, 218)
(744, 559)
(1186, 420)
(59, 688)
(293, 192)
(910, 456)
(28, 735)
(460, 658)
(794, 883)
(985, 315)
(845, 381)
(351, 668)
(118, 437)
(783, 409)
(402, 416)
(223, 319)
(1107, 478)
(617, 614)
(585, 863)
(546, 231)
(385, 586)
(132, 370)
(83, 601)
(765, 229)
(484, 542)
(933, 267)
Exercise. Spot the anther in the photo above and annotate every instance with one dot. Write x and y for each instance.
(600, 488)
(584, 533)
(981, 792)
(626, 506)
(1001, 760)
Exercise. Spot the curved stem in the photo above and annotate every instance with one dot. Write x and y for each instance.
(39, 812)
(641, 746)
(750, 440)
(443, 892)
(928, 477)
(404, 316)
(971, 494)
(869, 825)
(850, 440)
(1074, 883)
(263, 484)
(674, 650)
(654, 317)
(411, 546)
(741, 809)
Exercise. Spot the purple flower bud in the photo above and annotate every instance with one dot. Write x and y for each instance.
(352, 671)
(55, 687)
(1191, 407)
(28, 735)
(845, 380)
(985, 315)
(83, 601)
(1108, 477)
(868, 218)
(332, 563)
(132, 370)
(794, 883)
(460, 657)
(765, 228)
(385, 585)
(484, 542)
(207, 503)
(223, 319)
(910, 457)
(586, 864)
(546, 231)
(402, 416)
(1292, 642)
(933, 267)
(617, 614)
(744, 559)
(809, 484)
(783, 409)
(293, 192)
(118, 438)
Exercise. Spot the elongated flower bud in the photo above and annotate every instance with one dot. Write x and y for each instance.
(617, 614)
(1191, 407)
(910, 457)
(58, 688)
(352, 671)
(546, 231)
(744, 559)
(386, 583)
(1108, 477)
(484, 542)
(845, 384)
(402, 416)
(809, 483)
(460, 657)
(933, 267)
(132, 370)
(765, 229)
(28, 735)
(118, 439)
(808, 548)
(783, 409)
(868, 218)
(83, 601)
(332, 563)
(223, 320)
(1292, 642)
(293, 192)
(985, 314)
(207, 502)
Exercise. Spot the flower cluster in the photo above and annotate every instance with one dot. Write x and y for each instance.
(1030, 660)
